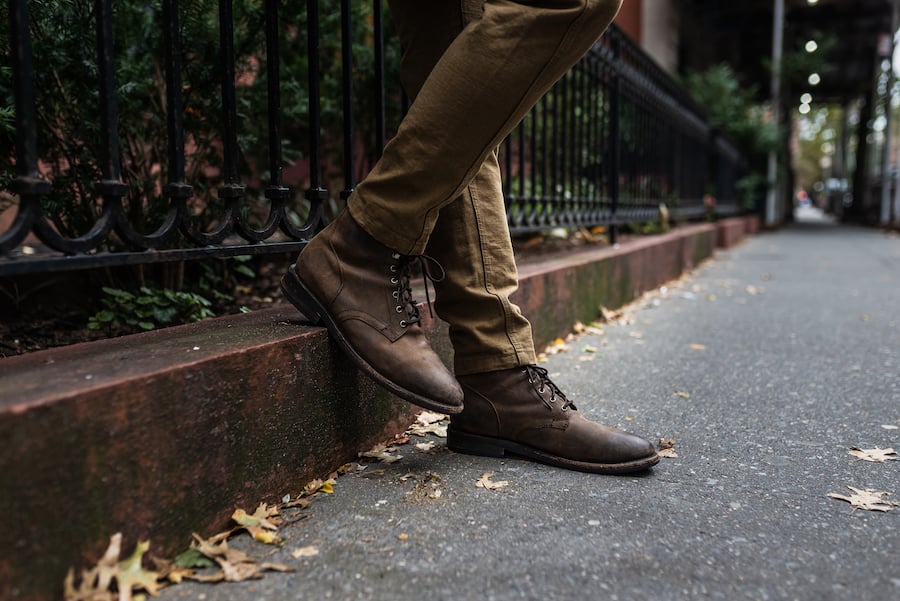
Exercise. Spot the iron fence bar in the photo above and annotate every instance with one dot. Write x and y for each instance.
(614, 140)
(347, 90)
(28, 183)
(316, 193)
(176, 190)
(380, 103)
(231, 190)
(276, 192)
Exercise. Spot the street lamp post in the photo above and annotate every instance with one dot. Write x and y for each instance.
(777, 45)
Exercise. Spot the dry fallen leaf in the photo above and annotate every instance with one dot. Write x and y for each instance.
(485, 482)
(667, 448)
(682, 394)
(429, 422)
(382, 453)
(308, 551)
(129, 575)
(262, 525)
(874, 455)
(425, 447)
(868, 499)
(698, 347)
(236, 566)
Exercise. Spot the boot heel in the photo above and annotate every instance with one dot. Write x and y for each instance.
(296, 292)
(472, 444)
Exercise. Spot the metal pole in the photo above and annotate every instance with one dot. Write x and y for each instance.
(886, 176)
(777, 44)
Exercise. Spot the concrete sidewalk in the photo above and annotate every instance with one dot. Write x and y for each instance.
(766, 365)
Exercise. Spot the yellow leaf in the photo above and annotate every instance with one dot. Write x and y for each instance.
(132, 576)
(265, 536)
(327, 488)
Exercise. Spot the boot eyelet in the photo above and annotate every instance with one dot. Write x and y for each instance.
(395, 294)
(393, 269)
(403, 323)
(395, 281)
(399, 309)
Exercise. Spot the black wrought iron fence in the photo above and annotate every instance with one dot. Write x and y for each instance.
(614, 140)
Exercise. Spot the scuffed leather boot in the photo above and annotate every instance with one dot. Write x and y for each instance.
(359, 289)
(521, 412)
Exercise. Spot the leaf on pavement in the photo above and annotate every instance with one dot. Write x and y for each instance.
(667, 448)
(485, 482)
(429, 422)
(133, 577)
(682, 394)
(698, 347)
(867, 499)
(308, 551)
(262, 525)
(874, 455)
(382, 453)
(129, 575)
(236, 566)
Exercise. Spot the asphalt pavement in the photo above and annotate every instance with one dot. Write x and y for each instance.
(766, 366)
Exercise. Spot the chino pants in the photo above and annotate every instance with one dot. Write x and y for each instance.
(474, 68)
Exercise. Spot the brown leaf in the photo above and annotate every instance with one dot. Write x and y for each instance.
(667, 448)
(429, 422)
(874, 455)
(867, 499)
(382, 453)
(485, 482)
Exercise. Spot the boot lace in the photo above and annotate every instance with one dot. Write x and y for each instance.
(401, 272)
(541, 383)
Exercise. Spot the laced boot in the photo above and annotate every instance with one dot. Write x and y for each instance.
(520, 411)
(359, 289)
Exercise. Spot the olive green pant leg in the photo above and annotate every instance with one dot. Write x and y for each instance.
(483, 84)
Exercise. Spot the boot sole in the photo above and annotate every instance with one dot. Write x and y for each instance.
(306, 302)
(487, 446)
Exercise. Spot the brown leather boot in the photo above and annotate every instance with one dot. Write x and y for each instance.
(359, 289)
(521, 412)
